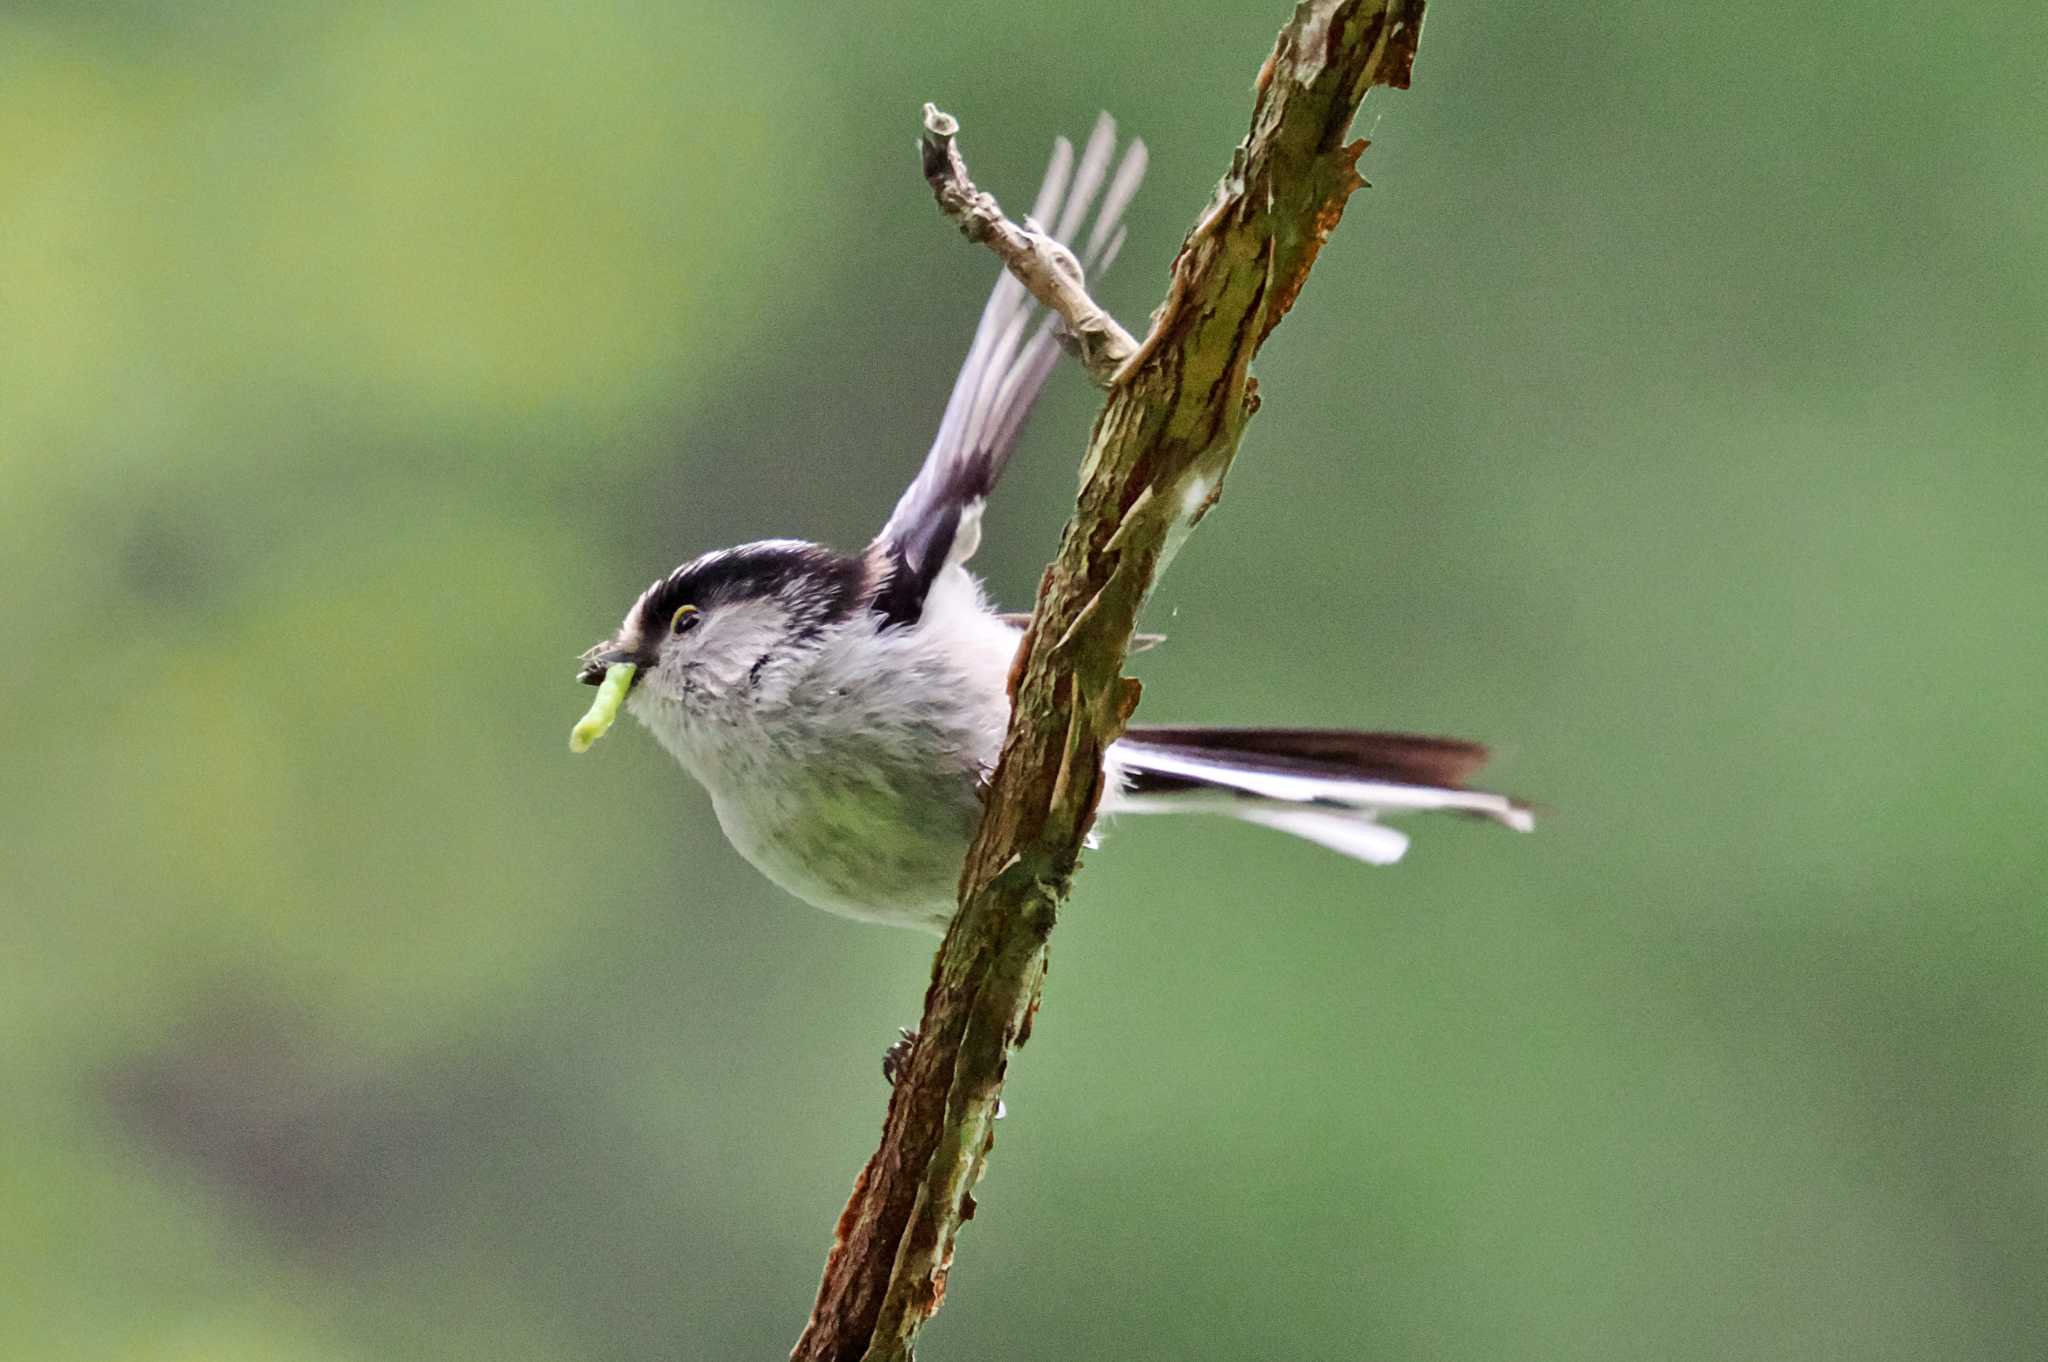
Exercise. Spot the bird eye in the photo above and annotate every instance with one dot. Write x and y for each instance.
(686, 618)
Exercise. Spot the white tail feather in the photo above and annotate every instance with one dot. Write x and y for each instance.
(1370, 796)
(1354, 835)
(1338, 810)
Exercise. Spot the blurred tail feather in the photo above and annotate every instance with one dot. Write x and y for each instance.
(1328, 786)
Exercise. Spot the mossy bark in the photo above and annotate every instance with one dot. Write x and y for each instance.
(1154, 465)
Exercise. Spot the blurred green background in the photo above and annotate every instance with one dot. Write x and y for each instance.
(1670, 415)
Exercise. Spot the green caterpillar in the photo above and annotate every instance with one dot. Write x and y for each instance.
(618, 679)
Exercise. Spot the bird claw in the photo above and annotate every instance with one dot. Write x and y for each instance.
(896, 1059)
(896, 1062)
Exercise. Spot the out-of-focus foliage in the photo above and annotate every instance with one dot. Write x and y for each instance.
(358, 362)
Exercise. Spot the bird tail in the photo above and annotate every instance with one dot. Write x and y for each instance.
(1328, 786)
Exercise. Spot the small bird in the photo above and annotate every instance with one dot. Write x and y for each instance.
(844, 710)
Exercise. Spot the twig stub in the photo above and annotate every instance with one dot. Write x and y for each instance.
(1168, 432)
(1044, 266)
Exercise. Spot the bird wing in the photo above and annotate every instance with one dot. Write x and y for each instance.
(938, 519)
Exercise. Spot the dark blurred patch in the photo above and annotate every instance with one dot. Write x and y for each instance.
(502, 1142)
(165, 562)
(291, 1130)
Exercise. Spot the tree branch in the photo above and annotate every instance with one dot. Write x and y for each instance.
(1041, 264)
(1155, 462)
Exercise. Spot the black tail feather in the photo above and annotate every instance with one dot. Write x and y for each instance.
(1400, 758)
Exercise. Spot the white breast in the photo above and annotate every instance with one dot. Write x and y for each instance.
(853, 781)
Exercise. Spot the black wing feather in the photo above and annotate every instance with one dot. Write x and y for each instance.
(1015, 350)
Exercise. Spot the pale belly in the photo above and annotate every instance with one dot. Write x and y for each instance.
(879, 841)
(855, 782)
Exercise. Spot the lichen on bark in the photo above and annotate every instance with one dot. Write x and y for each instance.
(1155, 462)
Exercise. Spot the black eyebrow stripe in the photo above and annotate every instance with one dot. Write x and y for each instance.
(819, 585)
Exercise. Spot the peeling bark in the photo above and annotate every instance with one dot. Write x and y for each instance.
(1178, 402)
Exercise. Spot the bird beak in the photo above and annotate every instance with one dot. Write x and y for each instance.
(601, 659)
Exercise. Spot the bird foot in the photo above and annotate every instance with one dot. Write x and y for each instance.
(896, 1062)
(896, 1059)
